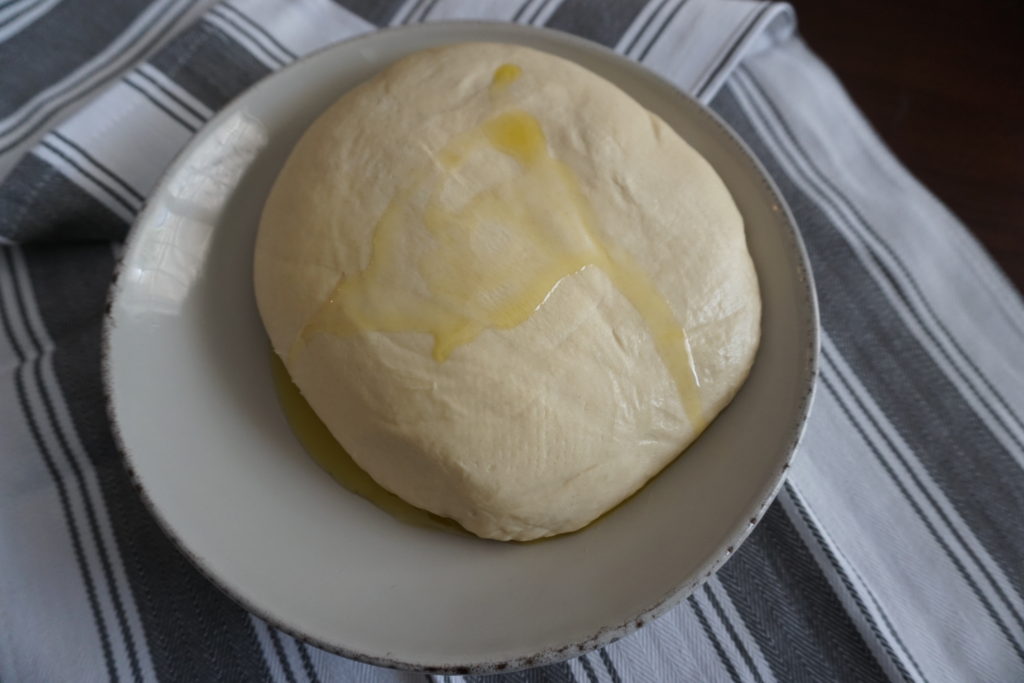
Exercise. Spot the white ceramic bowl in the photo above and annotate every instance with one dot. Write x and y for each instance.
(191, 394)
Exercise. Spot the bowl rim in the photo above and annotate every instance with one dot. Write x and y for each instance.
(607, 634)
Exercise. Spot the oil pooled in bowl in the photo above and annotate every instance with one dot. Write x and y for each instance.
(318, 442)
(325, 450)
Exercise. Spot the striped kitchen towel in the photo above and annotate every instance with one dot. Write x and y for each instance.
(895, 550)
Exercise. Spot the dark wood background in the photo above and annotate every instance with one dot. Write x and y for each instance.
(943, 84)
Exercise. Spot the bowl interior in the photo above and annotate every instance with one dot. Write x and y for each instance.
(192, 395)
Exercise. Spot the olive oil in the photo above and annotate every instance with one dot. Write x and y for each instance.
(548, 231)
(318, 442)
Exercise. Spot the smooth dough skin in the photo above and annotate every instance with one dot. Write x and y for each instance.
(511, 293)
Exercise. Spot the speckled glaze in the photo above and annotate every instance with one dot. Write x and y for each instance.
(191, 398)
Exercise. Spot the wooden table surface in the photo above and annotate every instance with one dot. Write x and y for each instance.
(943, 84)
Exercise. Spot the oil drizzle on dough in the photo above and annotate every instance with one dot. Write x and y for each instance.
(492, 261)
(504, 75)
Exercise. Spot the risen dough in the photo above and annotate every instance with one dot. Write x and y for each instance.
(538, 425)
